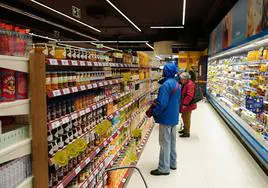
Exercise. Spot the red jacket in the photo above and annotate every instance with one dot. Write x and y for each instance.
(187, 95)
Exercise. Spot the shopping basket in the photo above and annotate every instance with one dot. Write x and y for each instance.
(121, 168)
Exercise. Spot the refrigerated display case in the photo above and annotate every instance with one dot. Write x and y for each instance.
(238, 90)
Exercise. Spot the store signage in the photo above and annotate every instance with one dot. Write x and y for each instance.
(255, 104)
(246, 19)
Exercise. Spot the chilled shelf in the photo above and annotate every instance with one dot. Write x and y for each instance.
(14, 63)
(18, 107)
(15, 151)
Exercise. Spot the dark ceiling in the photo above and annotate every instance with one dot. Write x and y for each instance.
(201, 17)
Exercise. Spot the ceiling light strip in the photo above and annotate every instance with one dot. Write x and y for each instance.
(69, 17)
(123, 15)
(183, 12)
(149, 45)
(167, 27)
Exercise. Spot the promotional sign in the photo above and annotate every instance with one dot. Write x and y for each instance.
(246, 19)
(239, 16)
(255, 104)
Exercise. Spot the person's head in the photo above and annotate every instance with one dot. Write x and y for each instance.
(184, 77)
(170, 70)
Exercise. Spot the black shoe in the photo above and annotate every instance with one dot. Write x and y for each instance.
(185, 135)
(173, 168)
(181, 132)
(158, 173)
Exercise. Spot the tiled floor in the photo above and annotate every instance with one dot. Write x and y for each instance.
(211, 158)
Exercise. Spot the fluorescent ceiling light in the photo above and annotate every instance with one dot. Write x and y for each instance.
(69, 17)
(167, 27)
(43, 37)
(90, 41)
(183, 12)
(124, 15)
(149, 45)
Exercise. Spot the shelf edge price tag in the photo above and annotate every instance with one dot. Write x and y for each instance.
(97, 150)
(89, 63)
(87, 160)
(74, 116)
(74, 89)
(56, 93)
(65, 62)
(55, 124)
(82, 112)
(94, 107)
(75, 63)
(53, 61)
(105, 143)
(87, 110)
(65, 120)
(100, 84)
(60, 186)
(95, 63)
(95, 85)
(91, 178)
(85, 185)
(89, 86)
(66, 91)
(83, 88)
(96, 172)
(77, 170)
(110, 82)
(82, 63)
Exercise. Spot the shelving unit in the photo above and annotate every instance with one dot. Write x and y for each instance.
(21, 148)
(136, 91)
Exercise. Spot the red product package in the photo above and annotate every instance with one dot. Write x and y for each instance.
(21, 85)
(8, 88)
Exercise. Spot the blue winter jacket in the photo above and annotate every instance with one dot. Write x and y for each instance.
(166, 111)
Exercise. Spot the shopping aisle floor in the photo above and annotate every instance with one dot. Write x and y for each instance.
(211, 158)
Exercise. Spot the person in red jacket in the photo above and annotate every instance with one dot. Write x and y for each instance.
(187, 95)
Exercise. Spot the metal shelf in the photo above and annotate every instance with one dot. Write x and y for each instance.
(14, 63)
(18, 107)
(15, 151)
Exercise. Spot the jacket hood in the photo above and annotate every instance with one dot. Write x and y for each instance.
(170, 70)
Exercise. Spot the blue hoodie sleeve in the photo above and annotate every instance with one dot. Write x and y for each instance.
(161, 101)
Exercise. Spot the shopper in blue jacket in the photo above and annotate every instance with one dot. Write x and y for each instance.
(166, 112)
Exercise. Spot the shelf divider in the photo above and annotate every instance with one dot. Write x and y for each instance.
(39, 116)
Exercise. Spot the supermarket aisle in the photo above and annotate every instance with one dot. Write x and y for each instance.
(211, 158)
